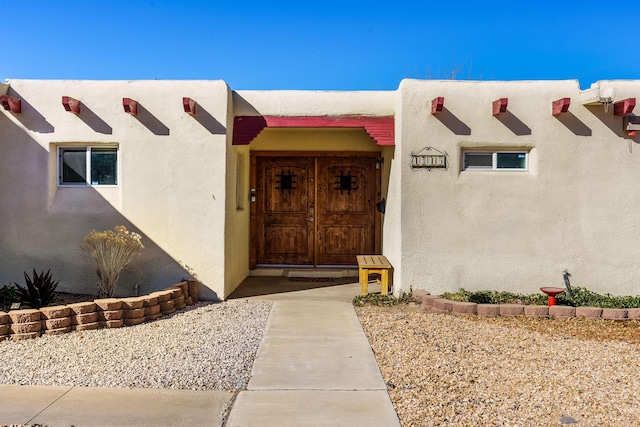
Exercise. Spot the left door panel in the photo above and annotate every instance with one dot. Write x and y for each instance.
(285, 198)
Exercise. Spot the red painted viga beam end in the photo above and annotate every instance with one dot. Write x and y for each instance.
(70, 104)
(130, 106)
(189, 105)
(624, 107)
(11, 104)
(499, 106)
(437, 105)
(560, 106)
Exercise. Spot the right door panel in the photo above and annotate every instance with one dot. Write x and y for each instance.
(345, 218)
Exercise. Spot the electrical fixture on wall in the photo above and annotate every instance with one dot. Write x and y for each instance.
(421, 160)
(606, 97)
(596, 95)
(631, 125)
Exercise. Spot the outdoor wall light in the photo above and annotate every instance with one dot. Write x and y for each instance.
(631, 125)
(70, 104)
(11, 104)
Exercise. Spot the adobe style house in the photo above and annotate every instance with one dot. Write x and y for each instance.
(481, 185)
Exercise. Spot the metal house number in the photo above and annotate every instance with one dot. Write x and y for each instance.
(429, 161)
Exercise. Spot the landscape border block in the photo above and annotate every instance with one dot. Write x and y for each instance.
(96, 314)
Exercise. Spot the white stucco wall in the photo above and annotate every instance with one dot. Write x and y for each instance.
(171, 184)
(573, 209)
(313, 103)
(184, 186)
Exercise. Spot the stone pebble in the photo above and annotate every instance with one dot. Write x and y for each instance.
(208, 346)
(446, 370)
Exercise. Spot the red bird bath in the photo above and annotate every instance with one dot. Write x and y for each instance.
(552, 292)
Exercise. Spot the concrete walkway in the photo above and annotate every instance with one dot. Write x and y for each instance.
(54, 406)
(314, 368)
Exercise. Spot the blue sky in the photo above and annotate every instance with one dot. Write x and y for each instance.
(328, 45)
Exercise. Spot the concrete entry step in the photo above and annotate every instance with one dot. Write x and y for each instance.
(321, 273)
(276, 288)
(305, 272)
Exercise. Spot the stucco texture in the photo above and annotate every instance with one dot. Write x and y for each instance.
(572, 209)
(184, 186)
(171, 189)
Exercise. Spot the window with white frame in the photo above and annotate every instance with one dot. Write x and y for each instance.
(495, 160)
(83, 166)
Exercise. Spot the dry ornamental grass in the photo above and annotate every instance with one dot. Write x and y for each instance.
(447, 370)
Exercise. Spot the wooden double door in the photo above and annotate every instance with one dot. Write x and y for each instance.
(314, 210)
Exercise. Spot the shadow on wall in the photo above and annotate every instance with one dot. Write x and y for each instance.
(209, 122)
(574, 124)
(613, 122)
(30, 117)
(94, 121)
(453, 123)
(40, 232)
(242, 107)
(151, 122)
(513, 123)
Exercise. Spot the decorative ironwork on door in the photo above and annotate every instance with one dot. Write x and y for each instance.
(286, 182)
(346, 182)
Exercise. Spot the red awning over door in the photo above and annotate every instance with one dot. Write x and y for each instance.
(247, 128)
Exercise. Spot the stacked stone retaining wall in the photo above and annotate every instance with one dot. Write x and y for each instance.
(100, 313)
(437, 304)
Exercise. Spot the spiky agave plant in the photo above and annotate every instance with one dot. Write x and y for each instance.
(39, 291)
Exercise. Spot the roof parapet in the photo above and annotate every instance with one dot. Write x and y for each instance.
(596, 95)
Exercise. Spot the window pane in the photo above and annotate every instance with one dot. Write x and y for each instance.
(478, 160)
(74, 166)
(104, 166)
(512, 161)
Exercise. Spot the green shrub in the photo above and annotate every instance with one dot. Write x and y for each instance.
(40, 290)
(494, 297)
(109, 252)
(585, 298)
(8, 296)
(381, 300)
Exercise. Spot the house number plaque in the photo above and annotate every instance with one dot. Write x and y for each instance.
(429, 161)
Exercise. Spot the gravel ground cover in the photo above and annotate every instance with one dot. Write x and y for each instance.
(209, 346)
(446, 370)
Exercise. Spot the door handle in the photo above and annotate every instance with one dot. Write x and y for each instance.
(310, 219)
